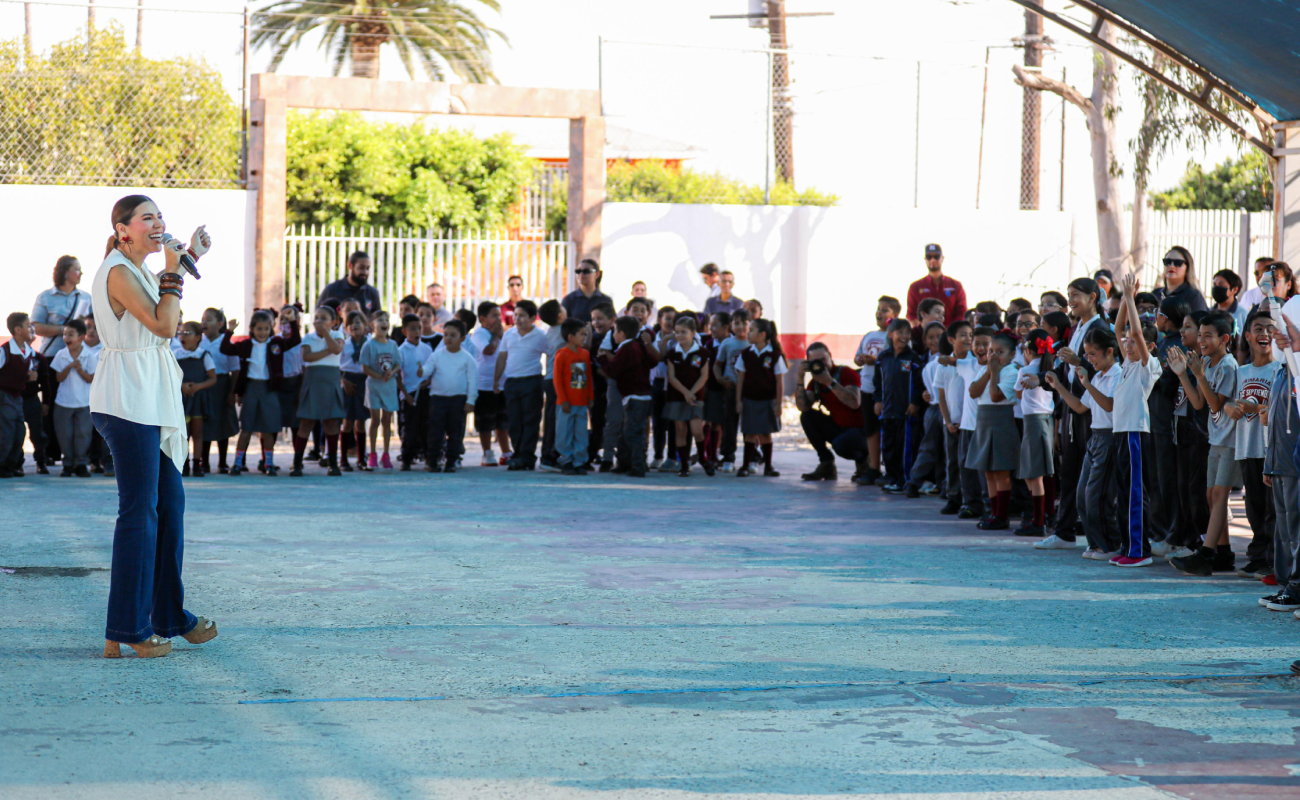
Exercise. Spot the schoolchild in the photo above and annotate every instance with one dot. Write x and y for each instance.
(571, 375)
(321, 401)
(198, 374)
(554, 315)
(452, 376)
(628, 366)
(381, 361)
(74, 368)
(1037, 463)
(898, 404)
(662, 429)
(412, 353)
(518, 376)
(724, 369)
(869, 349)
(490, 407)
(1166, 505)
(995, 450)
(261, 368)
(291, 382)
(929, 311)
(758, 386)
(1095, 498)
(428, 316)
(1191, 434)
(1280, 465)
(688, 368)
(602, 322)
(1254, 384)
(222, 421)
(21, 371)
(960, 336)
(715, 393)
(928, 464)
(1131, 432)
(1215, 373)
(353, 383)
(970, 369)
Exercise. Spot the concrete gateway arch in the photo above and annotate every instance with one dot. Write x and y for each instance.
(273, 95)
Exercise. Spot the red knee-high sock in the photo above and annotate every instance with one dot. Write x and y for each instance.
(299, 447)
(1049, 494)
(767, 454)
(1003, 504)
(332, 447)
(1040, 510)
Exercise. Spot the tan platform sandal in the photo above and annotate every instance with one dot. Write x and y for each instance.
(153, 647)
(204, 631)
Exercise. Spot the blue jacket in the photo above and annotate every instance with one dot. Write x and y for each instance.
(898, 382)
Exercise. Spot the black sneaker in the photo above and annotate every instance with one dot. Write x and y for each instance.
(913, 491)
(1264, 601)
(296, 472)
(893, 488)
(768, 472)
(970, 512)
(743, 472)
(568, 469)
(950, 508)
(1284, 601)
(185, 470)
(1224, 560)
(451, 467)
(41, 469)
(405, 466)
(617, 469)
(334, 471)
(1255, 568)
(607, 466)
(81, 472)
(636, 473)
(1195, 564)
(313, 454)
(994, 524)
(709, 469)
(1030, 530)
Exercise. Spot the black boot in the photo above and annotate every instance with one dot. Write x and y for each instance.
(825, 471)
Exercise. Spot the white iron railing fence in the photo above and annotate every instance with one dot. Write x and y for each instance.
(540, 195)
(470, 266)
(1218, 239)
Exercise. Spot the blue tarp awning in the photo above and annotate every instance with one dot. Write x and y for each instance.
(1253, 45)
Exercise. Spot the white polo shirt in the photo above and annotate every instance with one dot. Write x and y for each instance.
(969, 370)
(74, 391)
(524, 353)
(1136, 381)
(1037, 400)
(1104, 382)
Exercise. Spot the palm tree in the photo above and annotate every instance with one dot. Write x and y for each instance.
(443, 35)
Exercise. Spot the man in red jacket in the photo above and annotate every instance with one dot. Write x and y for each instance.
(939, 286)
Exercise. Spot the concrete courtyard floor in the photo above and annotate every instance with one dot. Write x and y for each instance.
(607, 637)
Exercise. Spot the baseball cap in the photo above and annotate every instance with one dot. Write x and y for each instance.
(709, 269)
(933, 250)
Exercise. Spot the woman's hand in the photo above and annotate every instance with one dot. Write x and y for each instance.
(200, 241)
(172, 252)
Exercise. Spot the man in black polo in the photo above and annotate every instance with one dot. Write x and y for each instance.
(579, 303)
(355, 285)
(839, 422)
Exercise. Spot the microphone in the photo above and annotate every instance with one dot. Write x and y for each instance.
(186, 261)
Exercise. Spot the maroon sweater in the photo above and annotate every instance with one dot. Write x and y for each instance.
(687, 370)
(760, 374)
(275, 347)
(13, 374)
(629, 367)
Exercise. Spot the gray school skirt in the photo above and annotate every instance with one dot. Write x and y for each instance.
(758, 418)
(260, 410)
(996, 445)
(1036, 447)
(679, 411)
(322, 394)
(222, 421)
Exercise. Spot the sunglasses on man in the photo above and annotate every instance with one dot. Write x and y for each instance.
(1174, 262)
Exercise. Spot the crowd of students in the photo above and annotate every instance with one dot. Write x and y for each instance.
(1110, 419)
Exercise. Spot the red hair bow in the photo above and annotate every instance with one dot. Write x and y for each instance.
(1045, 345)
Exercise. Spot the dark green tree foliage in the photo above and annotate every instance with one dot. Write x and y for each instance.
(101, 113)
(344, 170)
(1242, 183)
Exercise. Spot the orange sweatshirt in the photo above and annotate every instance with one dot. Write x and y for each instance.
(572, 376)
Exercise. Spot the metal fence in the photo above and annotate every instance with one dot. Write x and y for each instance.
(1217, 240)
(470, 266)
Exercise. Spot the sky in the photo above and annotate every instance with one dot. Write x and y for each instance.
(667, 69)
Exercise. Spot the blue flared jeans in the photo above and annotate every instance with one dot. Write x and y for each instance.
(145, 595)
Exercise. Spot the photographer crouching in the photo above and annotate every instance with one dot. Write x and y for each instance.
(838, 425)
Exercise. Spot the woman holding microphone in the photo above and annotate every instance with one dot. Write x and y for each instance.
(135, 403)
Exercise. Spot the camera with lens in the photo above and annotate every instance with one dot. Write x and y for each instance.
(816, 367)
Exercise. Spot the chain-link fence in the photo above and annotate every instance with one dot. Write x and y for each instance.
(90, 103)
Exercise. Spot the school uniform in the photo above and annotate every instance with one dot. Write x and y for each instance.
(1165, 505)
(715, 394)
(522, 387)
(1131, 456)
(873, 344)
(1221, 467)
(687, 367)
(350, 369)
(290, 384)
(1255, 384)
(1075, 430)
(661, 428)
(15, 363)
(1095, 495)
(322, 395)
(952, 388)
(612, 434)
(490, 407)
(729, 351)
(71, 410)
(929, 454)
(973, 486)
(762, 369)
(628, 368)
(194, 366)
(222, 422)
(1281, 467)
(415, 420)
(996, 445)
(597, 407)
(453, 384)
(1192, 439)
(378, 356)
(261, 369)
(1036, 451)
(898, 383)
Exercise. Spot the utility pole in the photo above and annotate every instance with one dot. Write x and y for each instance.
(1031, 122)
(782, 112)
(139, 25)
(27, 30)
(90, 18)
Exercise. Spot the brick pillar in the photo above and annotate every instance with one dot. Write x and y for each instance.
(586, 184)
(268, 141)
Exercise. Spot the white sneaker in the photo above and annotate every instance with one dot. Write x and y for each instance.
(667, 465)
(1098, 555)
(489, 458)
(655, 463)
(1296, 614)
(728, 466)
(1055, 542)
(1180, 552)
(1161, 549)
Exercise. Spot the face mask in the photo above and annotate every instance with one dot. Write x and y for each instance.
(1147, 317)
(1219, 293)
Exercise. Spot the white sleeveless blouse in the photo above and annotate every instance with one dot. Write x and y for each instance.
(138, 378)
